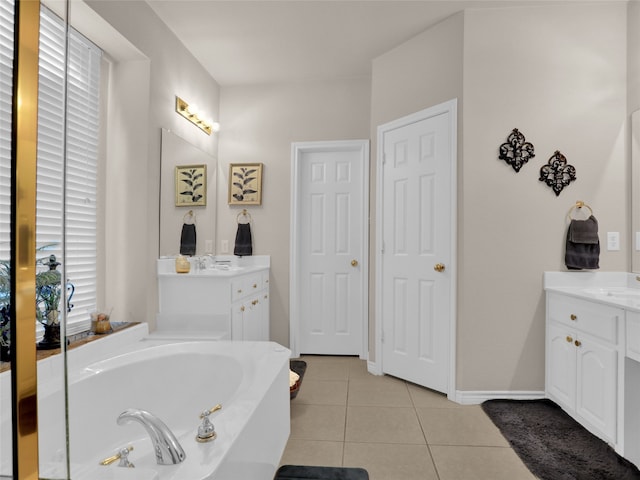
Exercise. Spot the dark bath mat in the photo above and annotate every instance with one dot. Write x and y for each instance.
(298, 366)
(302, 472)
(553, 445)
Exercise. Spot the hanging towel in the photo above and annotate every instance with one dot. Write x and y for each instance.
(188, 239)
(583, 245)
(243, 240)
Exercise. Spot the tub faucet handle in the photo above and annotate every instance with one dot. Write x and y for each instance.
(206, 430)
(122, 455)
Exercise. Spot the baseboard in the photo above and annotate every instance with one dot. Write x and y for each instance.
(476, 397)
(373, 367)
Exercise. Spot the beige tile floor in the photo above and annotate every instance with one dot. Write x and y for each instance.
(344, 416)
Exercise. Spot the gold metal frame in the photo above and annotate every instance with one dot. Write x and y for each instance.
(24, 394)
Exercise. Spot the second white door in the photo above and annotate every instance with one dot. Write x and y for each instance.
(417, 274)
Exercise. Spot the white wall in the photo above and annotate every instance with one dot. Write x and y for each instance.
(133, 151)
(259, 123)
(559, 75)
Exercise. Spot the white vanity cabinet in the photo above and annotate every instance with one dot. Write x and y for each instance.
(250, 307)
(582, 361)
(224, 304)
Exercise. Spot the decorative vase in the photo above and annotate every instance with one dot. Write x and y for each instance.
(5, 353)
(51, 337)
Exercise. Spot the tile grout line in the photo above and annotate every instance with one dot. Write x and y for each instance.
(424, 434)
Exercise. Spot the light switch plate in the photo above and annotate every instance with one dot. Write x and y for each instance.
(613, 241)
(225, 246)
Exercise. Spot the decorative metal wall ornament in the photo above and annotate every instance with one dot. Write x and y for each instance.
(557, 174)
(515, 151)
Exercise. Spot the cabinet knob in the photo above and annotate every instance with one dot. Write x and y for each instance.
(255, 285)
(255, 302)
(577, 343)
(569, 339)
(573, 317)
(239, 290)
(242, 308)
(266, 296)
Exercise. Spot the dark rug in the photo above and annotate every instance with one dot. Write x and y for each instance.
(303, 472)
(553, 445)
(298, 366)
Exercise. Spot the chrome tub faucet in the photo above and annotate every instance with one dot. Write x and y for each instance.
(165, 444)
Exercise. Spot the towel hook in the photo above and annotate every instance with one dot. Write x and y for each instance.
(579, 204)
(244, 213)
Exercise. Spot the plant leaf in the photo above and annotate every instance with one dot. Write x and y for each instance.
(248, 191)
(249, 180)
(197, 197)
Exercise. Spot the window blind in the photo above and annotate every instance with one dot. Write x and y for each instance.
(66, 192)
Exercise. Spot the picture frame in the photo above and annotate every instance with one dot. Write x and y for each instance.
(245, 184)
(191, 185)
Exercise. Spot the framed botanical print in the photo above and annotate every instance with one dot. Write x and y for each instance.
(191, 185)
(245, 184)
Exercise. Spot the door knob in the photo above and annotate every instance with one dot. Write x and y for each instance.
(439, 267)
(354, 263)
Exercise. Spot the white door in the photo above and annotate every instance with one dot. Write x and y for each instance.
(417, 235)
(329, 254)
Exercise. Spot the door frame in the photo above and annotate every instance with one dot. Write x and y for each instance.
(450, 107)
(298, 149)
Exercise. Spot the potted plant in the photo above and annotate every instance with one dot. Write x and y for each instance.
(48, 295)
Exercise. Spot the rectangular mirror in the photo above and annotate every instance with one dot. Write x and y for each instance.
(176, 154)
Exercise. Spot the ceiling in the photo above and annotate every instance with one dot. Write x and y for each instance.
(258, 42)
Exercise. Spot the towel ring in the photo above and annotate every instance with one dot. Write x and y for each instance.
(579, 204)
(189, 216)
(244, 214)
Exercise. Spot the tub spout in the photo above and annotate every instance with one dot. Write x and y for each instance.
(165, 444)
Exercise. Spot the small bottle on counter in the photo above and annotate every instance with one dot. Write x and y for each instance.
(182, 264)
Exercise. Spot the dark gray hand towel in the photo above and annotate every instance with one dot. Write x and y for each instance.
(583, 245)
(244, 242)
(188, 239)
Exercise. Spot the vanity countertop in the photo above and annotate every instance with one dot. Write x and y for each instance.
(617, 289)
(216, 266)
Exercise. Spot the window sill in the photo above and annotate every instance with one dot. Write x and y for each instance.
(75, 341)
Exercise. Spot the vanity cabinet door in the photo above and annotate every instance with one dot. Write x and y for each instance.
(596, 385)
(561, 365)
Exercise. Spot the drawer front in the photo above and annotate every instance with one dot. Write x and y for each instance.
(245, 285)
(633, 336)
(588, 317)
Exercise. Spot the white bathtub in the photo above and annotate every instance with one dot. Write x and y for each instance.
(175, 381)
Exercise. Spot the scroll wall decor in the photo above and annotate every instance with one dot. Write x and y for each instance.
(557, 173)
(516, 151)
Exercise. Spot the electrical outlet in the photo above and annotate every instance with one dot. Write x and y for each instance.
(225, 246)
(613, 241)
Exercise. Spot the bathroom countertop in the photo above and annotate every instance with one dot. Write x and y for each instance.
(616, 289)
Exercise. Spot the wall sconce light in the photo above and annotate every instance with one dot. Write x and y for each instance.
(192, 114)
